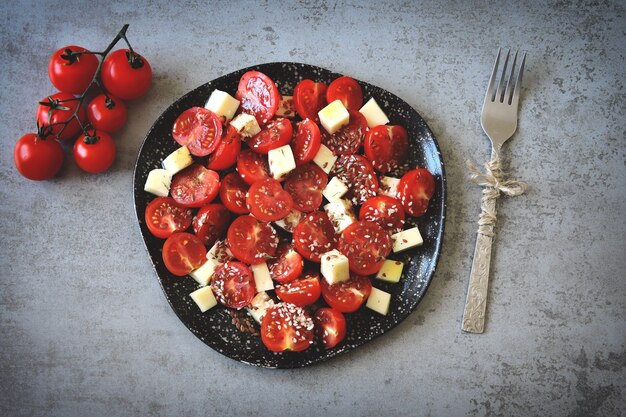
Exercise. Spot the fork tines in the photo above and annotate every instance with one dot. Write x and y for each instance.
(506, 91)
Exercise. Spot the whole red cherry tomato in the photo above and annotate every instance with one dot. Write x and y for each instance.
(58, 108)
(126, 74)
(37, 158)
(72, 73)
(107, 113)
(94, 152)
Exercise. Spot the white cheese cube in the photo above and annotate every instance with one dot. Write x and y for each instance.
(246, 125)
(406, 239)
(334, 267)
(220, 253)
(335, 189)
(203, 274)
(204, 298)
(391, 271)
(281, 162)
(289, 222)
(389, 186)
(259, 306)
(262, 278)
(178, 160)
(158, 182)
(334, 116)
(222, 104)
(286, 108)
(379, 301)
(340, 213)
(373, 114)
(325, 158)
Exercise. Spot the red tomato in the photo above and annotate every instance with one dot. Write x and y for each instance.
(348, 91)
(126, 75)
(58, 108)
(252, 166)
(301, 292)
(233, 284)
(37, 158)
(106, 113)
(366, 245)
(268, 201)
(349, 295)
(211, 223)
(94, 152)
(70, 73)
(233, 192)
(195, 186)
(225, 156)
(198, 129)
(331, 326)
(314, 236)
(349, 138)
(306, 142)
(387, 147)
(384, 210)
(416, 188)
(287, 265)
(309, 98)
(258, 95)
(287, 327)
(305, 185)
(165, 217)
(252, 241)
(358, 174)
(182, 253)
(276, 133)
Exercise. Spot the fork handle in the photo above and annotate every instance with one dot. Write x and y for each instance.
(476, 302)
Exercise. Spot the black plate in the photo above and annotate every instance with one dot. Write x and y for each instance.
(214, 327)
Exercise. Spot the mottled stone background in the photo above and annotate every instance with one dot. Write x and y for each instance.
(85, 329)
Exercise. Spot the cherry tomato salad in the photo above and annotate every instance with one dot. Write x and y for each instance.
(288, 206)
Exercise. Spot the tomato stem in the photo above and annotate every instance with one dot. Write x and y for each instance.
(71, 57)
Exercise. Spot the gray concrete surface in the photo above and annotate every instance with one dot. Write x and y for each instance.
(85, 329)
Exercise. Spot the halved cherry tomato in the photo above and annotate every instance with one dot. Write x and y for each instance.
(195, 186)
(302, 292)
(106, 113)
(349, 295)
(416, 188)
(309, 98)
(349, 138)
(211, 223)
(227, 151)
(198, 129)
(330, 325)
(253, 166)
(348, 91)
(287, 327)
(58, 108)
(384, 210)
(314, 236)
(287, 265)
(358, 174)
(164, 217)
(305, 185)
(252, 241)
(276, 133)
(366, 245)
(306, 142)
(233, 284)
(71, 73)
(387, 147)
(182, 253)
(233, 192)
(268, 201)
(258, 95)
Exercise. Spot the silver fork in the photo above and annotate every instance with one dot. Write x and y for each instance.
(499, 121)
